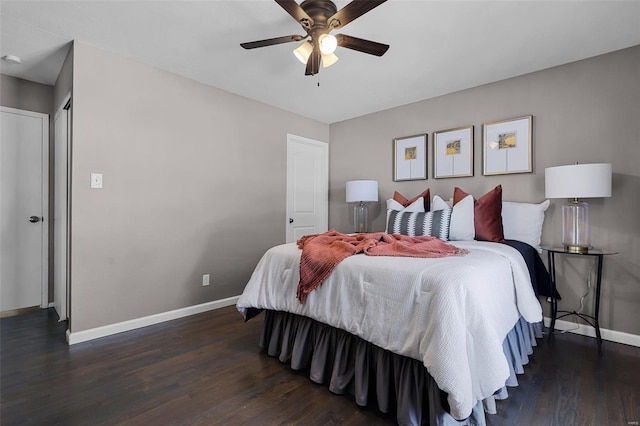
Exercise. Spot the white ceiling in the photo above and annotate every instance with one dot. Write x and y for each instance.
(437, 47)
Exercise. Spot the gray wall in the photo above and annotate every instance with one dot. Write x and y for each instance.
(194, 183)
(587, 111)
(27, 95)
(64, 82)
(30, 96)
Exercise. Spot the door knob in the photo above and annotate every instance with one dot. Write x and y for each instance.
(34, 219)
(290, 220)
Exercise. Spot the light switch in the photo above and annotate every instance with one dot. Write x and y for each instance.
(96, 180)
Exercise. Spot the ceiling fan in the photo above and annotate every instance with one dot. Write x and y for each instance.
(318, 18)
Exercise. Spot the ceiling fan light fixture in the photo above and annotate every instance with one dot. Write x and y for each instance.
(318, 19)
(303, 52)
(328, 43)
(328, 60)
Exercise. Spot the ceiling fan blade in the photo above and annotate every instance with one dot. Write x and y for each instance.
(296, 12)
(352, 11)
(361, 45)
(271, 41)
(313, 63)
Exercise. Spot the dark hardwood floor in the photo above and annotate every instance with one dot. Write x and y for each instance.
(208, 369)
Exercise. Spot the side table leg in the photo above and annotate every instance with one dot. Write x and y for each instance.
(597, 313)
(554, 301)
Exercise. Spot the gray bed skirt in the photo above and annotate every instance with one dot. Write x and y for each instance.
(377, 377)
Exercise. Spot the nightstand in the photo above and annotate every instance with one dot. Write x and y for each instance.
(552, 251)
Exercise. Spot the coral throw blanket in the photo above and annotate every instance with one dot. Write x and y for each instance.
(321, 253)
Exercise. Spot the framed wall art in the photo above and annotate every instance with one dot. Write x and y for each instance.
(507, 146)
(410, 158)
(453, 153)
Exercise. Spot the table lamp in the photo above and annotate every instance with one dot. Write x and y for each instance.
(361, 192)
(577, 181)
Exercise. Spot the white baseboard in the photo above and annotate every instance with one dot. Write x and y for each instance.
(586, 330)
(108, 330)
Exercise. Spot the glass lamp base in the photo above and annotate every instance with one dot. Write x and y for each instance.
(575, 227)
(361, 218)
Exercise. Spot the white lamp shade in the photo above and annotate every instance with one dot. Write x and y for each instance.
(303, 52)
(328, 60)
(327, 43)
(578, 181)
(362, 190)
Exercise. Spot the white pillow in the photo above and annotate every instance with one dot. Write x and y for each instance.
(523, 221)
(416, 207)
(461, 227)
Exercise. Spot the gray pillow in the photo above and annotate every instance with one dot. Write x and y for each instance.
(413, 224)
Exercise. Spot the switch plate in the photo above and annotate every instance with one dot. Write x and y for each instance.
(205, 279)
(96, 180)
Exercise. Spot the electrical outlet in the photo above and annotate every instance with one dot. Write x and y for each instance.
(205, 279)
(96, 180)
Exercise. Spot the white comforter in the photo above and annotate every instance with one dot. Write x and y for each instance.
(452, 313)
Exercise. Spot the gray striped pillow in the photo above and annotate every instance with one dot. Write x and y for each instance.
(434, 223)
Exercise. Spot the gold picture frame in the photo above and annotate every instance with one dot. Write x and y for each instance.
(453, 153)
(507, 146)
(410, 158)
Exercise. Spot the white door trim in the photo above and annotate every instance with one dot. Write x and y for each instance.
(61, 262)
(44, 303)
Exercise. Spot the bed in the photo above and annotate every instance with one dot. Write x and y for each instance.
(463, 325)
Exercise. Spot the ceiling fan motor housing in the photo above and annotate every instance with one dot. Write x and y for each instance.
(319, 10)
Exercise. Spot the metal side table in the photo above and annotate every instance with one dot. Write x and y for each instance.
(552, 251)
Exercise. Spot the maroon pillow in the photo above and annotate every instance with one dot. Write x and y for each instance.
(487, 214)
(405, 202)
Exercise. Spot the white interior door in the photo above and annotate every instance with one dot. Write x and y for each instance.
(307, 187)
(23, 200)
(60, 208)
